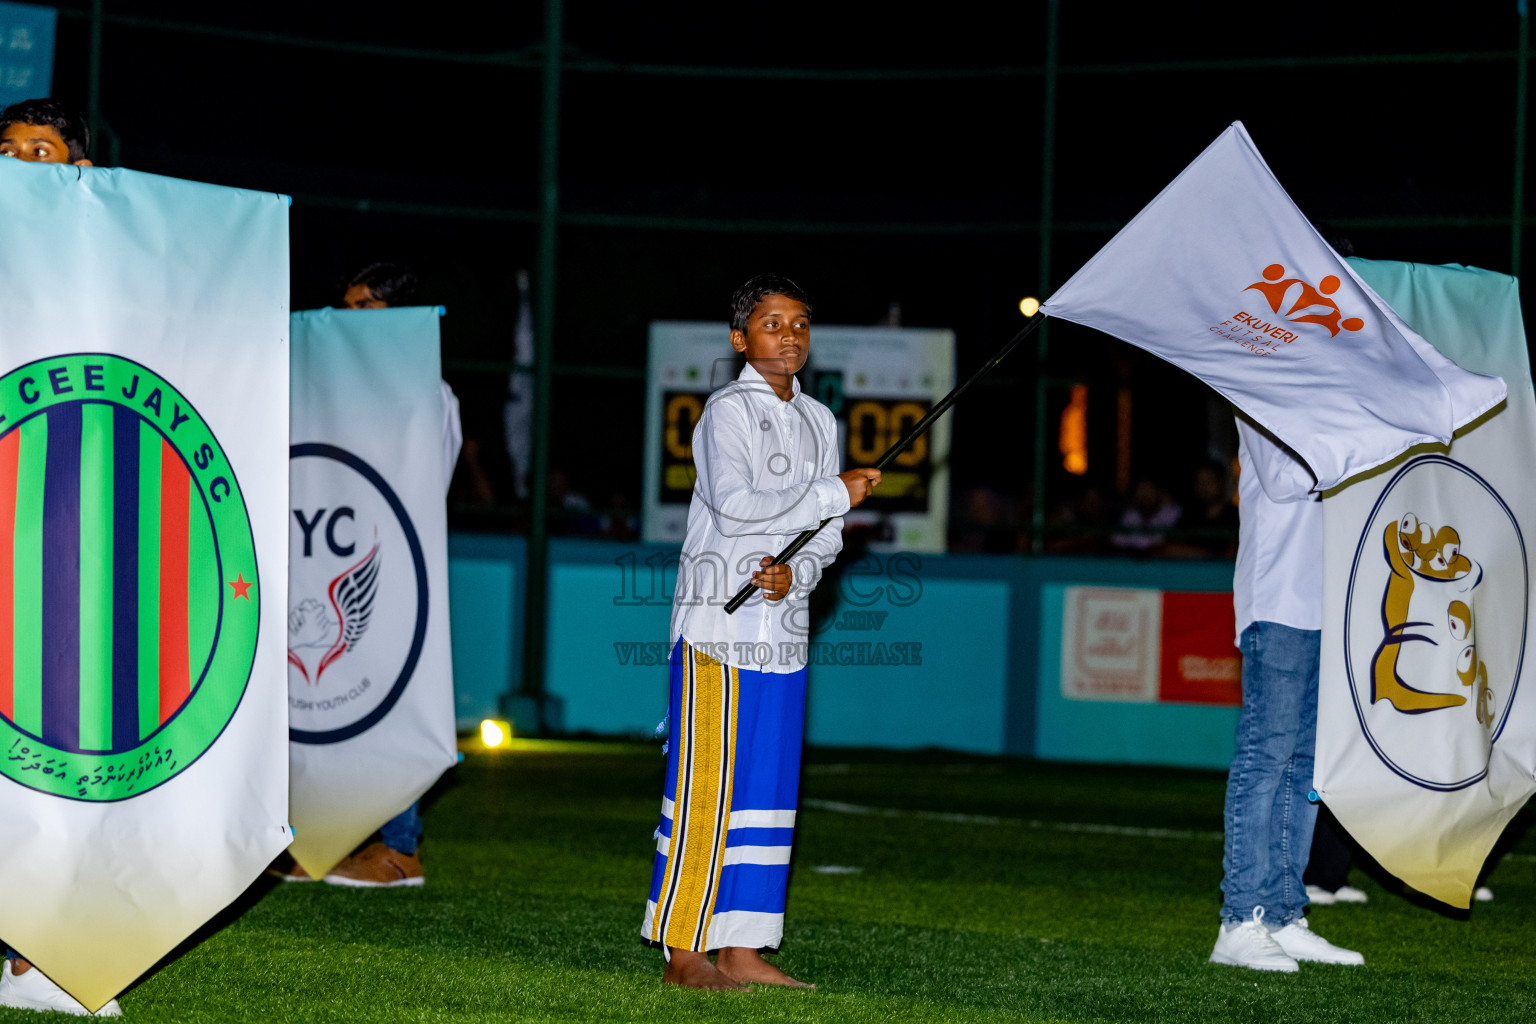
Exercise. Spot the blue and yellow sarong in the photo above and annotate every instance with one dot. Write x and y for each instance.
(728, 808)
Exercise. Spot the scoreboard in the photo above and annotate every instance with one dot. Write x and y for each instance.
(877, 381)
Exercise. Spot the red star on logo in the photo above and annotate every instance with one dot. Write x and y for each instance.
(241, 586)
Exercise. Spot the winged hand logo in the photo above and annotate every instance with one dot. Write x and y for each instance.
(334, 631)
(355, 632)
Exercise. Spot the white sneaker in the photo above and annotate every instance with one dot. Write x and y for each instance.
(1483, 894)
(1300, 941)
(1349, 894)
(1320, 897)
(1249, 945)
(33, 990)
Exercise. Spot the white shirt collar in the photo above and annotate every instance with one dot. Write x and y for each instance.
(750, 375)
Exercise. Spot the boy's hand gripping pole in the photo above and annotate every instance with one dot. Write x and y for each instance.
(918, 430)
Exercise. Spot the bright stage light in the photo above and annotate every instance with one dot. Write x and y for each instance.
(1029, 305)
(493, 733)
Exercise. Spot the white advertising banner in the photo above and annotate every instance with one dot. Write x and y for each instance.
(878, 382)
(1110, 644)
(143, 562)
(370, 673)
(1426, 724)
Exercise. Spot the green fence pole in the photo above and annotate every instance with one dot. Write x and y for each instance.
(1047, 209)
(537, 585)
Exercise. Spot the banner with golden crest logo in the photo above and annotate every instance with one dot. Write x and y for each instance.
(1222, 275)
(370, 673)
(1426, 740)
(143, 562)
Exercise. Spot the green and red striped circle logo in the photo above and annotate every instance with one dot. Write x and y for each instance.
(128, 587)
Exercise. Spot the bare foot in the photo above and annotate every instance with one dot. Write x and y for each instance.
(744, 964)
(20, 966)
(693, 970)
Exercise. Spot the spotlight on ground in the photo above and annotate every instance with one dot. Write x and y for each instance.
(1029, 305)
(495, 734)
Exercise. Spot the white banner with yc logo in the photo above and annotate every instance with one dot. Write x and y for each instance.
(1426, 727)
(370, 676)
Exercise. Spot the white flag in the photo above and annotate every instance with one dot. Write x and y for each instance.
(143, 502)
(370, 673)
(1426, 737)
(1223, 276)
(517, 413)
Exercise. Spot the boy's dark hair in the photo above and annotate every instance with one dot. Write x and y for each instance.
(391, 283)
(754, 291)
(72, 128)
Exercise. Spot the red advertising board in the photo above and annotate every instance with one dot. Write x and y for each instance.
(1199, 663)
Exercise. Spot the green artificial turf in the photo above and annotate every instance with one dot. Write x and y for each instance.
(979, 897)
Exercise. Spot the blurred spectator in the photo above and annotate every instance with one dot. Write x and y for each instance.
(483, 479)
(1210, 531)
(517, 411)
(562, 498)
(1024, 516)
(983, 522)
(570, 511)
(471, 484)
(1144, 524)
(1079, 526)
(619, 521)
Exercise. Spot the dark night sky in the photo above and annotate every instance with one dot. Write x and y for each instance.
(1350, 143)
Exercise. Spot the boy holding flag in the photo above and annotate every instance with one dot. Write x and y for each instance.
(767, 461)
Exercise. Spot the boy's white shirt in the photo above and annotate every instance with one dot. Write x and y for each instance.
(1279, 573)
(767, 470)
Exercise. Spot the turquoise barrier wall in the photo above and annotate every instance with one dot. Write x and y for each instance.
(485, 598)
(956, 697)
(610, 610)
(951, 651)
(608, 620)
(1184, 735)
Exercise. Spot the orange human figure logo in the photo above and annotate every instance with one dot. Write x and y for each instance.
(1312, 305)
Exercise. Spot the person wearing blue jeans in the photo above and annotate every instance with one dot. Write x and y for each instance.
(1277, 593)
(391, 862)
(1269, 819)
(402, 833)
(395, 860)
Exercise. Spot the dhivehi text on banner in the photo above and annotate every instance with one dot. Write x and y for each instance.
(1140, 646)
(1223, 276)
(878, 382)
(1426, 738)
(26, 51)
(143, 558)
(370, 673)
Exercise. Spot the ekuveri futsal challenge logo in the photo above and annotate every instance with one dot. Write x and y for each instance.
(129, 592)
(1292, 302)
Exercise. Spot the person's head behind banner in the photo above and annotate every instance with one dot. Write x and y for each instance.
(379, 286)
(44, 131)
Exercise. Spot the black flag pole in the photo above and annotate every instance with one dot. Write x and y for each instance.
(918, 430)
